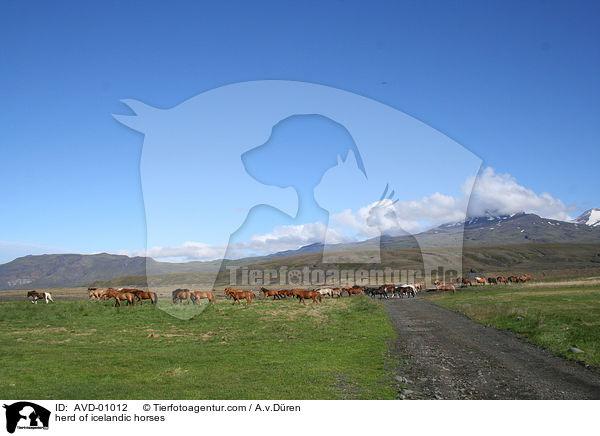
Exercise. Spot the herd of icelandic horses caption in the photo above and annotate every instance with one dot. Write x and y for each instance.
(131, 295)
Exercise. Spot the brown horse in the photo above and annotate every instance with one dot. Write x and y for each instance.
(302, 294)
(144, 295)
(525, 278)
(501, 279)
(353, 291)
(238, 294)
(446, 288)
(466, 282)
(119, 295)
(204, 294)
(92, 293)
(96, 294)
(277, 295)
(35, 296)
(480, 280)
(182, 294)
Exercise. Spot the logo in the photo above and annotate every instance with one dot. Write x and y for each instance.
(26, 415)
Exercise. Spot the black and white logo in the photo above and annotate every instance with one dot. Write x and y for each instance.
(26, 415)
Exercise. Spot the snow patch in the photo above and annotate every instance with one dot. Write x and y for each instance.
(594, 218)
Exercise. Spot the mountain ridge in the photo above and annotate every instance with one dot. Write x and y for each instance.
(65, 270)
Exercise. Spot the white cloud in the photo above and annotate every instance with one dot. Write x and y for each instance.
(185, 251)
(282, 238)
(496, 194)
(501, 194)
(290, 237)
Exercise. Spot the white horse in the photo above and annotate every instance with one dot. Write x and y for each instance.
(35, 296)
(325, 292)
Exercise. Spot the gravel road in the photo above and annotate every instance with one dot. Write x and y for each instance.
(446, 355)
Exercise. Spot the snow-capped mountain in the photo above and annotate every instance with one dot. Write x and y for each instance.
(590, 217)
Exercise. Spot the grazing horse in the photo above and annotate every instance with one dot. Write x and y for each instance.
(286, 293)
(96, 294)
(130, 297)
(336, 292)
(501, 279)
(119, 295)
(302, 294)
(525, 278)
(277, 295)
(369, 291)
(466, 282)
(238, 294)
(446, 288)
(198, 295)
(35, 296)
(480, 280)
(353, 291)
(381, 291)
(99, 294)
(326, 291)
(93, 294)
(182, 294)
(513, 279)
(409, 290)
(492, 281)
(143, 295)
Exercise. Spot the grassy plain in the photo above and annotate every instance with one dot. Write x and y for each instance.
(270, 349)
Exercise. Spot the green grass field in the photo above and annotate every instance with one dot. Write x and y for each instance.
(556, 316)
(276, 350)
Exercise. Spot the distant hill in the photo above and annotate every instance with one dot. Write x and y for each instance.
(62, 270)
(517, 231)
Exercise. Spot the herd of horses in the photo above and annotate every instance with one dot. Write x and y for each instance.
(316, 295)
(494, 280)
(131, 295)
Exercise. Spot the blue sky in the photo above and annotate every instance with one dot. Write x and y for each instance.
(514, 82)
